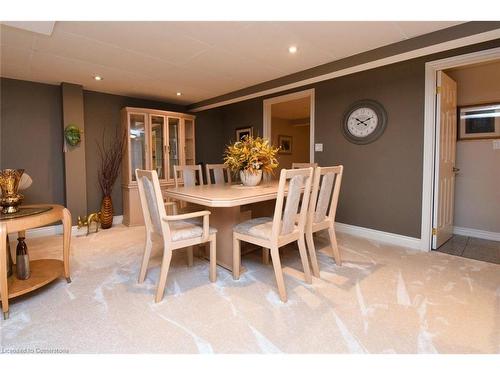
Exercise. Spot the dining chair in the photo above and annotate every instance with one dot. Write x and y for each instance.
(176, 231)
(322, 209)
(188, 175)
(304, 165)
(218, 173)
(273, 233)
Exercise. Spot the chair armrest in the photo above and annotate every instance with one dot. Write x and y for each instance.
(188, 215)
(173, 205)
(191, 215)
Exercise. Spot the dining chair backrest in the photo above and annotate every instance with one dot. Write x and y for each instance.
(304, 165)
(325, 193)
(218, 173)
(188, 175)
(152, 204)
(300, 181)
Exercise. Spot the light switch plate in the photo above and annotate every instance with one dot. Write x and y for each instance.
(318, 147)
(496, 144)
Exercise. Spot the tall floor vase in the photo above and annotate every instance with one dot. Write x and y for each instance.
(106, 212)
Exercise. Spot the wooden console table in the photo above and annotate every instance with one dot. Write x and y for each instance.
(43, 271)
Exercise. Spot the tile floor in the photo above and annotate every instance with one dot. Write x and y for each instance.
(473, 248)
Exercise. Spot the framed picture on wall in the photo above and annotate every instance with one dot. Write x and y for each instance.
(242, 132)
(479, 122)
(285, 144)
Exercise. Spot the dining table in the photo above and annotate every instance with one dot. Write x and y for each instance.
(225, 201)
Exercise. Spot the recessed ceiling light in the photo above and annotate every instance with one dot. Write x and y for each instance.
(98, 78)
(178, 94)
(292, 49)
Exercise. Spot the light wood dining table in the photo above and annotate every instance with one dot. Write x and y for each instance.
(224, 202)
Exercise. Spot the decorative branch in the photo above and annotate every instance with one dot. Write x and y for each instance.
(110, 152)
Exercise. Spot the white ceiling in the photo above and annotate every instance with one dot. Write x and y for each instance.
(200, 59)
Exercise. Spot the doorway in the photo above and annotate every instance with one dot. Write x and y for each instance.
(289, 123)
(465, 197)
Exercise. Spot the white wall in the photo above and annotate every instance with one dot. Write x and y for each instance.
(477, 191)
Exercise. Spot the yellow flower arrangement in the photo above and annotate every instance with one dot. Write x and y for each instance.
(251, 154)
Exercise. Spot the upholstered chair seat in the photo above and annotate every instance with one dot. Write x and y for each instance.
(186, 229)
(261, 227)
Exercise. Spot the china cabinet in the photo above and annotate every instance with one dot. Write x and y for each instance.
(156, 140)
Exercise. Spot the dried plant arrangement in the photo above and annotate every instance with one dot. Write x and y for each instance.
(251, 155)
(110, 151)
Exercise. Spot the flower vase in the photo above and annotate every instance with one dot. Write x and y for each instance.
(106, 212)
(250, 179)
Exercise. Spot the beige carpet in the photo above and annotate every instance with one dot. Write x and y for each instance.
(384, 299)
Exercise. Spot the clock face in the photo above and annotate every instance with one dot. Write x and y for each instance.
(362, 122)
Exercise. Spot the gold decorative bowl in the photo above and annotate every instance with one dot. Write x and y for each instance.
(9, 184)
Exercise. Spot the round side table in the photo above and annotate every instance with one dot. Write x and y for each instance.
(43, 271)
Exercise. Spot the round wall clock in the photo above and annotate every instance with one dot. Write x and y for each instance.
(364, 122)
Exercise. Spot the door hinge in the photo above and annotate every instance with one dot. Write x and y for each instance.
(434, 231)
(438, 90)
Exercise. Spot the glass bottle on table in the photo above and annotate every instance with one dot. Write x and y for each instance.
(22, 260)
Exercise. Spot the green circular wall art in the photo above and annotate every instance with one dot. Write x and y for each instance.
(72, 133)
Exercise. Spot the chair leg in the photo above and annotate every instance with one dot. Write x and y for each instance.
(165, 265)
(335, 247)
(213, 260)
(265, 256)
(145, 257)
(305, 261)
(236, 258)
(312, 253)
(278, 272)
(190, 256)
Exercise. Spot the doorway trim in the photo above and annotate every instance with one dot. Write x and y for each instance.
(431, 129)
(267, 103)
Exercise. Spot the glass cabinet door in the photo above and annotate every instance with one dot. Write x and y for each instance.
(158, 145)
(189, 141)
(137, 139)
(173, 144)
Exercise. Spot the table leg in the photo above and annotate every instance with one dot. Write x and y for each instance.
(66, 219)
(4, 292)
(224, 218)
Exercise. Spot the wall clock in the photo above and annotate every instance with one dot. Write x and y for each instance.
(364, 122)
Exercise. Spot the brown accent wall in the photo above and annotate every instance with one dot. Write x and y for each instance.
(382, 187)
(31, 137)
(218, 127)
(74, 156)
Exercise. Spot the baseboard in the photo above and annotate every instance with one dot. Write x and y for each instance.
(372, 234)
(53, 230)
(377, 235)
(477, 233)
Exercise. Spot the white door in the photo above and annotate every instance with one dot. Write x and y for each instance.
(446, 138)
